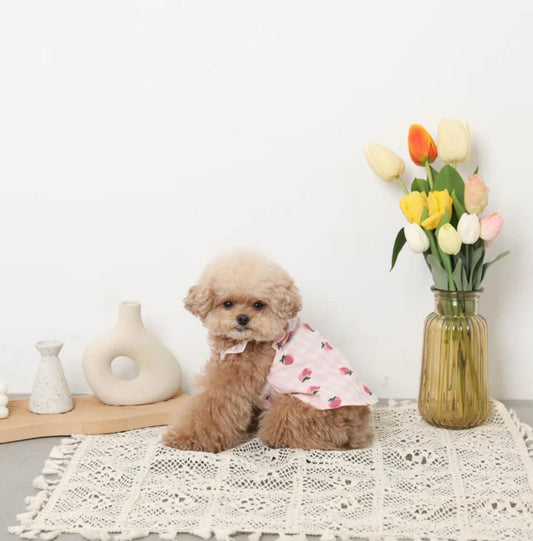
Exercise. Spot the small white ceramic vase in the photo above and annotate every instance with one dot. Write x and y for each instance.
(159, 373)
(50, 391)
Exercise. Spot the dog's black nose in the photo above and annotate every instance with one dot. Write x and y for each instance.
(243, 319)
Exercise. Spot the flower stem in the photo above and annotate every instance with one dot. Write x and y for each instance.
(448, 266)
(468, 260)
(433, 245)
(430, 175)
(400, 182)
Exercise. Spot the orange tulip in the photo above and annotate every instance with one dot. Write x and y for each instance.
(422, 148)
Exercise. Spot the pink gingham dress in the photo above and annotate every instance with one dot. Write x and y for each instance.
(309, 368)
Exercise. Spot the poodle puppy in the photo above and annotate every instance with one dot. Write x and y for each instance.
(268, 370)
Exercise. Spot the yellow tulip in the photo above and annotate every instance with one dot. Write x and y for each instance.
(449, 240)
(413, 205)
(438, 203)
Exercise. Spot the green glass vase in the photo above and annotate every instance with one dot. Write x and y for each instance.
(453, 381)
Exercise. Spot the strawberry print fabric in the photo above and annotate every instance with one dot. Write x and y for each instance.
(308, 367)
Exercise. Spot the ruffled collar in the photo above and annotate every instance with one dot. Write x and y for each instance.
(278, 342)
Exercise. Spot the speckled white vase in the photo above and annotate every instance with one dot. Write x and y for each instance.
(159, 375)
(50, 391)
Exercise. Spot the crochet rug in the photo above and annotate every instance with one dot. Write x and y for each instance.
(415, 482)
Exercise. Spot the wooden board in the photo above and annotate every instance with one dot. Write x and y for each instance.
(89, 416)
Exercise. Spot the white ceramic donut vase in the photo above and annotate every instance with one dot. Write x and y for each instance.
(159, 373)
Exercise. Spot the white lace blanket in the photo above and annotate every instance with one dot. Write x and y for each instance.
(416, 482)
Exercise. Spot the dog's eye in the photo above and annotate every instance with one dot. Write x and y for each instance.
(228, 304)
(258, 305)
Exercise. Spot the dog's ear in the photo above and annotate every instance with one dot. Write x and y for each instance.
(199, 300)
(286, 301)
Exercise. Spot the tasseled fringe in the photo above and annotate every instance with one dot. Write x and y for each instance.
(15, 530)
(379, 537)
(30, 534)
(35, 503)
(56, 452)
(55, 465)
(525, 431)
(256, 536)
(41, 483)
(48, 536)
(203, 531)
(95, 535)
(169, 536)
(328, 536)
(224, 535)
(25, 518)
(74, 439)
(130, 535)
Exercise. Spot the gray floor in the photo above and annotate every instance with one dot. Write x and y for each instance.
(21, 461)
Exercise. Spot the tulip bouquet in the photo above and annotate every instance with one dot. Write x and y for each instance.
(442, 209)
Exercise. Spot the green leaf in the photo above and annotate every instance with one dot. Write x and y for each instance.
(477, 265)
(457, 206)
(461, 258)
(478, 277)
(457, 276)
(398, 245)
(449, 179)
(489, 263)
(433, 248)
(465, 280)
(420, 185)
(476, 170)
(439, 274)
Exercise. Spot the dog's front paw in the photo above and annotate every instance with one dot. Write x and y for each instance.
(180, 439)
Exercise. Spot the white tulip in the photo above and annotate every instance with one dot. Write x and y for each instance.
(384, 162)
(416, 238)
(3, 387)
(3, 399)
(4, 412)
(453, 141)
(469, 228)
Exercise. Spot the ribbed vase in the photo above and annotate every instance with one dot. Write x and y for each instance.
(453, 382)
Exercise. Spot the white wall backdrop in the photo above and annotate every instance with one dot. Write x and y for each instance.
(140, 139)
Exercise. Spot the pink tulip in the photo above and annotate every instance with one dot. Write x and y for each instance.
(476, 194)
(491, 226)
